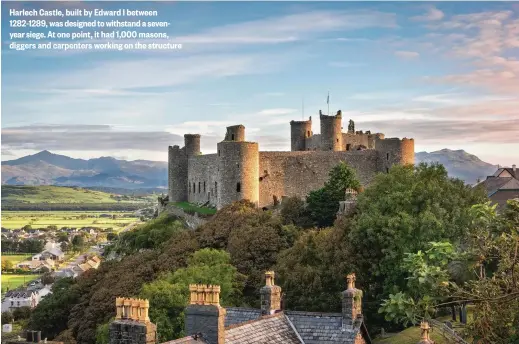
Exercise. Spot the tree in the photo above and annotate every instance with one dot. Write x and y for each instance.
(293, 211)
(7, 317)
(490, 251)
(7, 265)
(47, 278)
(323, 203)
(168, 296)
(400, 212)
(78, 242)
(22, 313)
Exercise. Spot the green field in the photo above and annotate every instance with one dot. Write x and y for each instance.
(13, 281)
(59, 194)
(189, 207)
(76, 219)
(16, 258)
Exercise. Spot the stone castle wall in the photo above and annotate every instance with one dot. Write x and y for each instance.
(298, 173)
(202, 176)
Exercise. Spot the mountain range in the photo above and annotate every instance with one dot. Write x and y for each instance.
(46, 168)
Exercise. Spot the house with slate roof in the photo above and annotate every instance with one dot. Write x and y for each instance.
(208, 322)
(503, 185)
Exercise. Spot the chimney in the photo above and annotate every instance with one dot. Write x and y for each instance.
(351, 302)
(204, 315)
(132, 322)
(270, 295)
(513, 168)
(424, 327)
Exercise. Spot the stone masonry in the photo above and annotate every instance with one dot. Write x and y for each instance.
(132, 324)
(239, 170)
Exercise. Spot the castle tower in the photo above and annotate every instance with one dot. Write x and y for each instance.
(235, 133)
(192, 144)
(238, 172)
(177, 174)
(300, 131)
(394, 151)
(331, 132)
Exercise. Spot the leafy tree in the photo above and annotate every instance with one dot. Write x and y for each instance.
(169, 295)
(21, 313)
(47, 278)
(103, 333)
(323, 203)
(7, 265)
(78, 243)
(293, 211)
(111, 236)
(7, 317)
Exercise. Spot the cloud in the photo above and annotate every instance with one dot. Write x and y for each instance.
(84, 138)
(433, 14)
(407, 54)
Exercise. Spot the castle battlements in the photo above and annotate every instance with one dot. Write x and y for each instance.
(239, 170)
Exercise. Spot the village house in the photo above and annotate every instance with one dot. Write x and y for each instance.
(25, 297)
(208, 322)
(503, 185)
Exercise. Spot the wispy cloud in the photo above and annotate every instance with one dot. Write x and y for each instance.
(407, 54)
(84, 137)
(276, 112)
(433, 14)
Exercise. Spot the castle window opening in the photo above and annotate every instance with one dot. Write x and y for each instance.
(194, 188)
(189, 187)
(387, 156)
(204, 186)
(260, 179)
(348, 146)
(218, 152)
(337, 140)
(215, 189)
(238, 187)
(387, 169)
(308, 133)
(199, 187)
(232, 137)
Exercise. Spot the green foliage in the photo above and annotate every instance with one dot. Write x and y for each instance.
(401, 212)
(323, 203)
(7, 265)
(169, 295)
(103, 333)
(293, 211)
(253, 238)
(78, 243)
(7, 317)
(149, 235)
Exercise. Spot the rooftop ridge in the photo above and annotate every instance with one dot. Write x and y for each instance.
(264, 317)
(322, 314)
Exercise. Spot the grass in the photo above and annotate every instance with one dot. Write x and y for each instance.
(16, 258)
(75, 219)
(60, 194)
(194, 208)
(13, 281)
(410, 335)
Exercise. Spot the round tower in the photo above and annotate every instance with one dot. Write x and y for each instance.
(331, 132)
(235, 133)
(300, 131)
(177, 174)
(192, 144)
(238, 172)
(407, 151)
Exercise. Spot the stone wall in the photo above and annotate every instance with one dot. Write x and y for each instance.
(298, 173)
(177, 174)
(192, 221)
(331, 132)
(208, 320)
(300, 131)
(202, 175)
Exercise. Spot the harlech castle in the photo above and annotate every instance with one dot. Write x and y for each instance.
(239, 170)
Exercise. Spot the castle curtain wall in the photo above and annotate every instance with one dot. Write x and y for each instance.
(202, 175)
(298, 173)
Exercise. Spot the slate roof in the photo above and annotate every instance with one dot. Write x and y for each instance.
(493, 184)
(268, 329)
(187, 340)
(238, 315)
(322, 328)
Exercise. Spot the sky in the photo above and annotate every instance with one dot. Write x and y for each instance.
(443, 73)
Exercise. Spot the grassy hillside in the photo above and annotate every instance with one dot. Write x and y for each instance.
(59, 194)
